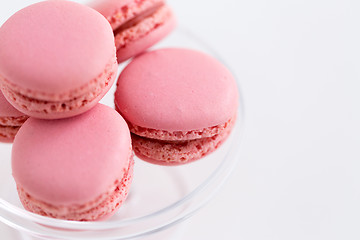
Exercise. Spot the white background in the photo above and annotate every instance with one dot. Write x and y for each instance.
(299, 65)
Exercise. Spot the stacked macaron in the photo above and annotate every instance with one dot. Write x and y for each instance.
(72, 158)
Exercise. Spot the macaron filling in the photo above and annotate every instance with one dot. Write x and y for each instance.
(128, 12)
(180, 135)
(102, 207)
(141, 24)
(9, 126)
(12, 121)
(138, 18)
(35, 101)
(179, 152)
(8, 133)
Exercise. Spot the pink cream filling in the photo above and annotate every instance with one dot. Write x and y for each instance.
(9, 127)
(8, 133)
(177, 152)
(13, 121)
(34, 101)
(131, 11)
(141, 25)
(181, 135)
(83, 90)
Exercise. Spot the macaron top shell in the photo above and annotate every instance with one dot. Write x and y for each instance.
(55, 46)
(6, 109)
(74, 160)
(176, 90)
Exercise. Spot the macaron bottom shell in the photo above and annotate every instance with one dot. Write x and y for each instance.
(102, 208)
(173, 153)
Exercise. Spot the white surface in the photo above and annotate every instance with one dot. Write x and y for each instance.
(298, 62)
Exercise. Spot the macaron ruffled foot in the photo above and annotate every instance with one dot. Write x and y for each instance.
(137, 25)
(179, 151)
(10, 120)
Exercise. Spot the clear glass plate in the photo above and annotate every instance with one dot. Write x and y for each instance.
(160, 197)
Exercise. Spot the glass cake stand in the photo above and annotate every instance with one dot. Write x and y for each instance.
(160, 197)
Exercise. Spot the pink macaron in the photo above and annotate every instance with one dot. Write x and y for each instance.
(77, 168)
(57, 59)
(10, 120)
(137, 24)
(180, 105)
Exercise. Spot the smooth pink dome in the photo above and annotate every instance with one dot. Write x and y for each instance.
(176, 90)
(55, 46)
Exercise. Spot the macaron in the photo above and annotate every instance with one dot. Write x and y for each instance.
(10, 120)
(77, 168)
(137, 25)
(180, 105)
(57, 59)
